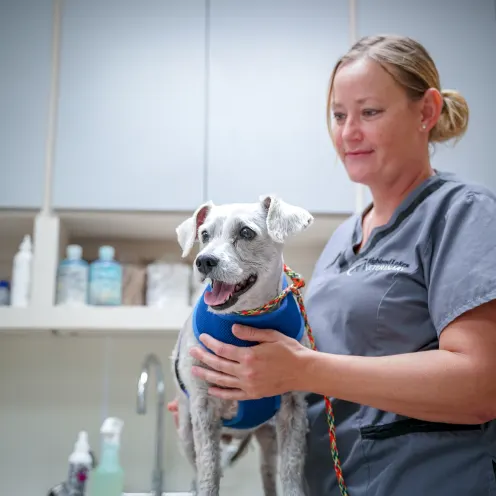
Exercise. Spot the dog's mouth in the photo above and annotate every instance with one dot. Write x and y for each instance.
(224, 295)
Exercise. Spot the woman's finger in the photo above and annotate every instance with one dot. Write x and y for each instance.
(253, 334)
(221, 349)
(173, 405)
(215, 377)
(217, 363)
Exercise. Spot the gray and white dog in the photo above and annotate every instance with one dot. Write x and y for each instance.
(241, 253)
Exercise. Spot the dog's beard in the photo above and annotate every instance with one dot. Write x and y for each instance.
(224, 295)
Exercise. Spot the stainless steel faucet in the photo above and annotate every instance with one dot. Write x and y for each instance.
(153, 360)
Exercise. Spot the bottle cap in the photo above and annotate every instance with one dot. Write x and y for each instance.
(111, 430)
(106, 252)
(74, 252)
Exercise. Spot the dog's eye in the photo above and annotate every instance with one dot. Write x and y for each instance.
(247, 233)
(204, 236)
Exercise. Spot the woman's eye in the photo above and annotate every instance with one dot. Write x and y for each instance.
(204, 236)
(371, 112)
(247, 233)
(338, 116)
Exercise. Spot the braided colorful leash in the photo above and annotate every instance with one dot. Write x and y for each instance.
(294, 288)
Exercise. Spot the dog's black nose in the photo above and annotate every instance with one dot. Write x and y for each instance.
(205, 263)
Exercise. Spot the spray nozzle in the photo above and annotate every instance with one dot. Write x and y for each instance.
(82, 444)
(82, 451)
(26, 244)
(111, 430)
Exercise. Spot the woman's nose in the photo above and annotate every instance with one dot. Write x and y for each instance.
(351, 129)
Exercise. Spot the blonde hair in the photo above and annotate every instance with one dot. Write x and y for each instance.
(411, 66)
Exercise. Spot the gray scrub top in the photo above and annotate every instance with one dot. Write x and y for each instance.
(434, 260)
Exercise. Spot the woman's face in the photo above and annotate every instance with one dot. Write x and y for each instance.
(376, 127)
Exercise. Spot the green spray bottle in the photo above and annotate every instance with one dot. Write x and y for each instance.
(108, 478)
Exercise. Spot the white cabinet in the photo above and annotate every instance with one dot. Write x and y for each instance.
(461, 37)
(25, 71)
(131, 108)
(269, 68)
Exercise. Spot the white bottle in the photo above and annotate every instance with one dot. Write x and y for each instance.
(21, 274)
(80, 465)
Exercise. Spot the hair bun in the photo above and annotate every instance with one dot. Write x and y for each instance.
(453, 120)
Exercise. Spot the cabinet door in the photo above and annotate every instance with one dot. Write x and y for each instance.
(269, 69)
(25, 71)
(461, 38)
(131, 111)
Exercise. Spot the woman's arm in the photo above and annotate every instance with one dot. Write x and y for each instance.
(455, 384)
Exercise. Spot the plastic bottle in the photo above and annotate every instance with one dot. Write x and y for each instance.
(105, 278)
(61, 488)
(21, 274)
(108, 478)
(80, 464)
(72, 281)
(4, 293)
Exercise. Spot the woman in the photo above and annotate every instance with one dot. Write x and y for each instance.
(401, 301)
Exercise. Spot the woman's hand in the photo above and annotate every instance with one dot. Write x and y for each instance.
(173, 407)
(272, 367)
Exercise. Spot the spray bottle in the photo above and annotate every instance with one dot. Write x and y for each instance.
(108, 478)
(80, 463)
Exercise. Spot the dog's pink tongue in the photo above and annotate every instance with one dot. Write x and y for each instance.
(219, 294)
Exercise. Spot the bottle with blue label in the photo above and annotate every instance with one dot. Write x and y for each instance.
(72, 280)
(105, 278)
(4, 293)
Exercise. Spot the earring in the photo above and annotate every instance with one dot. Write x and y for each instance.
(424, 126)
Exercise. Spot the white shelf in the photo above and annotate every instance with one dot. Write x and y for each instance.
(51, 232)
(91, 320)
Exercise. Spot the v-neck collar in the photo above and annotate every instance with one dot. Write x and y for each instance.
(401, 213)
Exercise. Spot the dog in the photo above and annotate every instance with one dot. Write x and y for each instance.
(241, 254)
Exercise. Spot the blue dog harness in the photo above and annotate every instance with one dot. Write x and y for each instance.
(286, 319)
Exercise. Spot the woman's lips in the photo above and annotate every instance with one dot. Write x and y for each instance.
(358, 153)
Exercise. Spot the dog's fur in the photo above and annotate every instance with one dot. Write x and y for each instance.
(259, 252)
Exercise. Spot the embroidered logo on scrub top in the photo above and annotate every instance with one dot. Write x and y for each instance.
(377, 264)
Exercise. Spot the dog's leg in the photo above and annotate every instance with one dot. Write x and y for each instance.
(266, 436)
(206, 422)
(291, 423)
(185, 433)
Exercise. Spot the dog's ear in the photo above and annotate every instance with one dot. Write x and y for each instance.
(284, 219)
(187, 231)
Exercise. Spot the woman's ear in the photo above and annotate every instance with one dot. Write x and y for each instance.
(431, 108)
